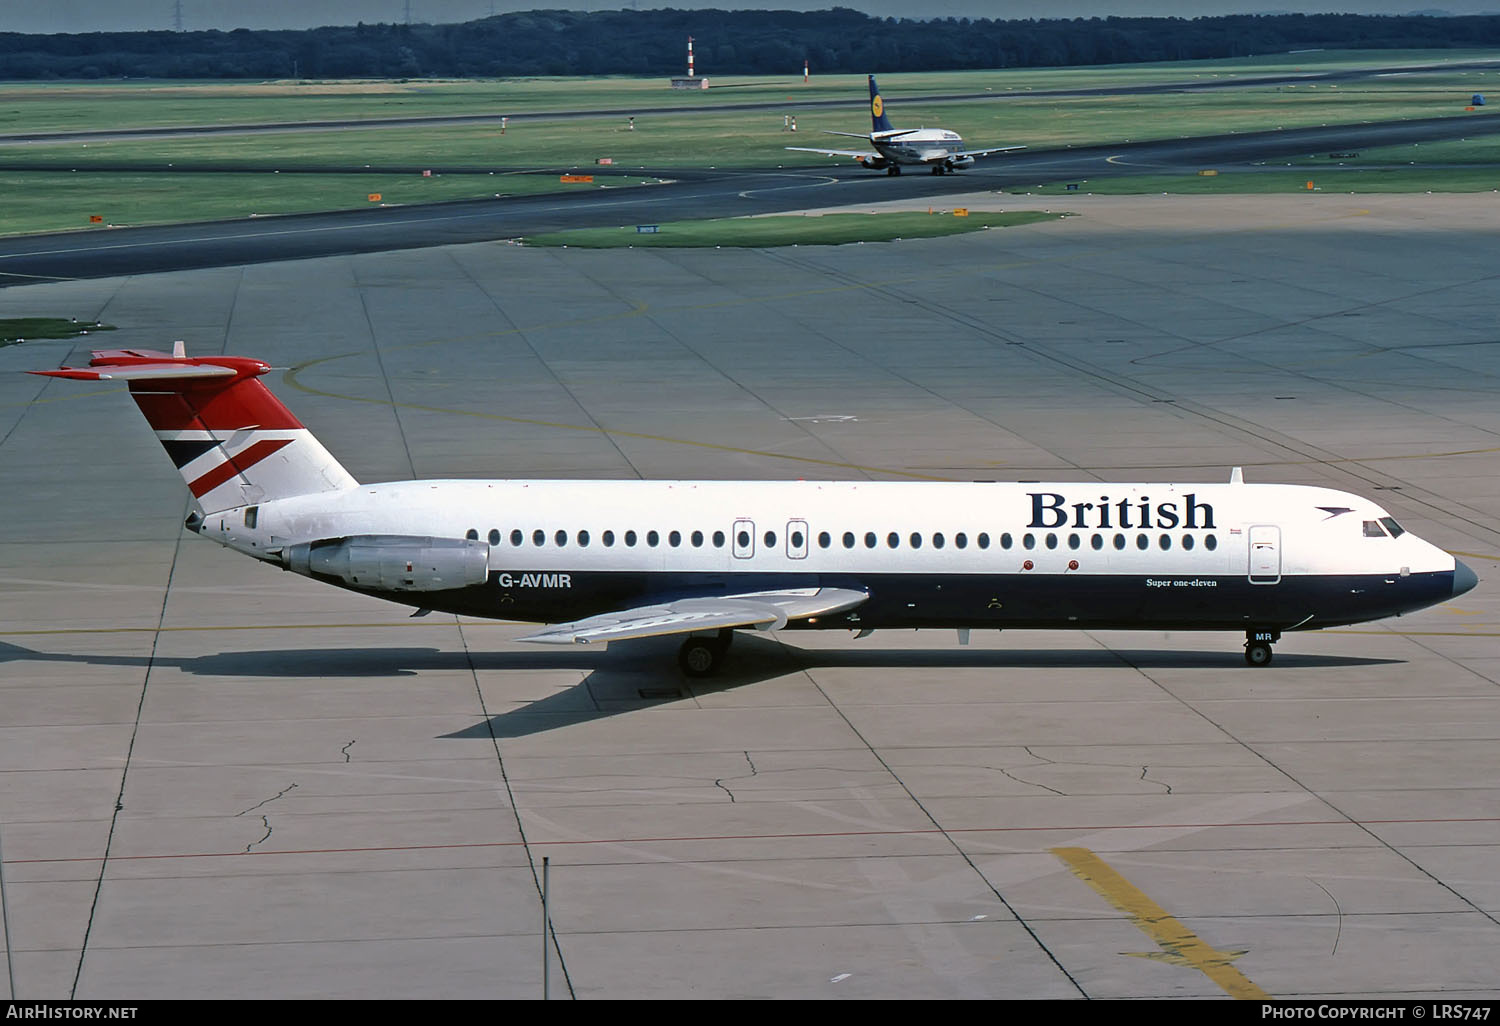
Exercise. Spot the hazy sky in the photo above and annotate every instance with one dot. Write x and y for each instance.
(126, 15)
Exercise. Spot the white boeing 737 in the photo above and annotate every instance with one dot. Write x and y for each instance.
(603, 561)
(941, 150)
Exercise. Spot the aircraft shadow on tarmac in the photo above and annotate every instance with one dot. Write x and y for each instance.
(641, 674)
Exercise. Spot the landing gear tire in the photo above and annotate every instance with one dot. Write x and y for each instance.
(893, 170)
(702, 657)
(1258, 653)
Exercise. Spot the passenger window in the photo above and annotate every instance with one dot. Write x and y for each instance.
(718, 539)
(770, 539)
(608, 538)
(848, 539)
(983, 540)
(494, 536)
(1388, 522)
(252, 515)
(1119, 541)
(697, 539)
(1005, 540)
(1187, 541)
(652, 539)
(796, 540)
(1211, 542)
(583, 539)
(1097, 541)
(561, 537)
(472, 535)
(516, 537)
(742, 539)
(1029, 542)
(674, 538)
(539, 537)
(870, 539)
(893, 539)
(1166, 542)
(961, 540)
(630, 539)
(1051, 541)
(1074, 541)
(916, 540)
(937, 540)
(1142, 542)
(1373, 529)
(824, 539)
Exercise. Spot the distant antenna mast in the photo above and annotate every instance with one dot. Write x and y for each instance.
(408, 12)
(690, 56)
(177, 16)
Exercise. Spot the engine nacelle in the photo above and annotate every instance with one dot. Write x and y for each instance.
(393, 562)
(958, 163)
(873, 163)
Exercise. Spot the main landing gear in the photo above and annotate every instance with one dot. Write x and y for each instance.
(701, 656)
(1258, 646)
(894, 169)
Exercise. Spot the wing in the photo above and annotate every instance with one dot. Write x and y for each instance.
(763, 610)
(992, 149)
(861, 155)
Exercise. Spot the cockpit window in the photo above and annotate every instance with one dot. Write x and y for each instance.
(1372, 529)
(1390, 525)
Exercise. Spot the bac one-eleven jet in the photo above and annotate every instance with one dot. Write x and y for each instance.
(937, 148)
(603, 561)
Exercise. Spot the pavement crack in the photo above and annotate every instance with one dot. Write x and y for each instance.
(346, 748)
(283, 791)
(719, 783)
(267, 821)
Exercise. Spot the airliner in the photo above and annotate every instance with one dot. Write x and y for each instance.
(937, 148)
(601, 561)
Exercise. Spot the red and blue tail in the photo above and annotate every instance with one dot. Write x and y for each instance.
(232, 440)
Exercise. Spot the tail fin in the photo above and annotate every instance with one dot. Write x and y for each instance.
(878, 121)
(232, 440)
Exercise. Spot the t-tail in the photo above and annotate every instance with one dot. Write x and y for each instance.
(232, 440)
(878, 121)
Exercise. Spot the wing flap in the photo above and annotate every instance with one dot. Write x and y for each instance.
(765, 610)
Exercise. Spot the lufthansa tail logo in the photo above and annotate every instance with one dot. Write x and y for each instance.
(876, 107)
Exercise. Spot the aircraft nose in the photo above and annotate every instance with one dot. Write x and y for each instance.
(1464, 579)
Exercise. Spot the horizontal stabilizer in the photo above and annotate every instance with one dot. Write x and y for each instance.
(767, 611)
(139, 372)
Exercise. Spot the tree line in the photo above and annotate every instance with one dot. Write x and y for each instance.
(627, 42)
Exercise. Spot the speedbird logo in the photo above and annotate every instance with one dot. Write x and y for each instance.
(1051, 510)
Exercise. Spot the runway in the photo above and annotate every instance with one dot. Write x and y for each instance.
(217, 780)
(686, 194)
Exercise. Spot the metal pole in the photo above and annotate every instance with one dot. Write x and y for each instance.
(10, 969)
(546, 921)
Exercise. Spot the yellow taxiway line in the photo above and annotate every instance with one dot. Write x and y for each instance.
(1178, 945)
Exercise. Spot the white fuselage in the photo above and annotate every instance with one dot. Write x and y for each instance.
(1237, 553)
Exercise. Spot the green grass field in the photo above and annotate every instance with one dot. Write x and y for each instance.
(144, 181)
(792, 230)
(19, 329)
(44, 202)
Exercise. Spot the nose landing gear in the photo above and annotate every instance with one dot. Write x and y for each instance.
(1258, 646)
